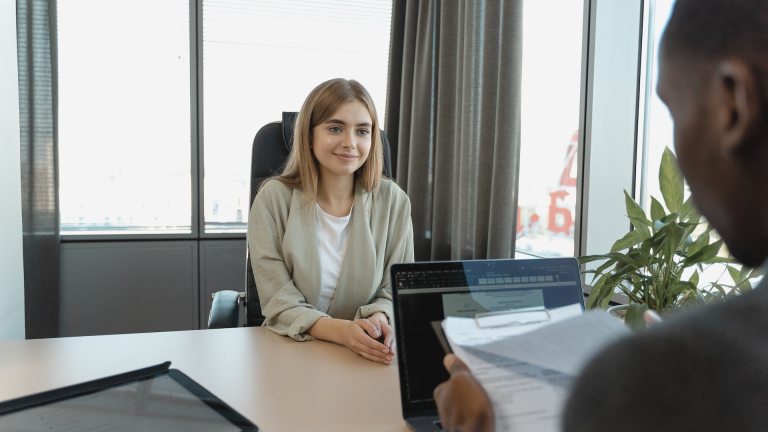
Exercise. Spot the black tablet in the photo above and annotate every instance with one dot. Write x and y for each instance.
(155, 398)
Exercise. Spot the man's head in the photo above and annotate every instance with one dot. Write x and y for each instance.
(713, 77)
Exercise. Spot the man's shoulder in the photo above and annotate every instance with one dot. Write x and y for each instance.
(687, 369)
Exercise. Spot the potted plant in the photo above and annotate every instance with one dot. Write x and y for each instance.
(658, 263)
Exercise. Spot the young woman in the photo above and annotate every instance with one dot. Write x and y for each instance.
(323, 234)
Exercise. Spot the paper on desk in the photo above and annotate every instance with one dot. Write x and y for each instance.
(527, 370)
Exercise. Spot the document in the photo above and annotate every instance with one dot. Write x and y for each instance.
(528, 369)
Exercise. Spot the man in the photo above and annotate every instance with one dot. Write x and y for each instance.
(706, 370)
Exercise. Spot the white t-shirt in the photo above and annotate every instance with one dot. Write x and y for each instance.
(332, 233)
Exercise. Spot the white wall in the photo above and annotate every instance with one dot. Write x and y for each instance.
(11, 261)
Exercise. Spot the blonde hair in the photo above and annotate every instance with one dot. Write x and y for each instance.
(301, 169)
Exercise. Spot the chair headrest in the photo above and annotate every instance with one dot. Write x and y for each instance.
(289, 120)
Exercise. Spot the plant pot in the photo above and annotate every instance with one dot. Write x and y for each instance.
(618, 311)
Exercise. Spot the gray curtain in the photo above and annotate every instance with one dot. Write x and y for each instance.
(453, 118)
(36, 28)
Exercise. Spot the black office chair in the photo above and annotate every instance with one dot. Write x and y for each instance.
(270, 150)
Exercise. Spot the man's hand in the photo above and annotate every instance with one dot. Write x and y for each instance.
(651, 318)
(462, 403)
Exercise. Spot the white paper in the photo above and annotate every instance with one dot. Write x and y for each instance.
(509, 318)
(466, 332)
(528, 370)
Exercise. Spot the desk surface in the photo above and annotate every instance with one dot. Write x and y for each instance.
(279, 384)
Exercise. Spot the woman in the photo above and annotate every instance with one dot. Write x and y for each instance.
(323, 234)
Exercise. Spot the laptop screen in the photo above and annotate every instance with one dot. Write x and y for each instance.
(430, 291)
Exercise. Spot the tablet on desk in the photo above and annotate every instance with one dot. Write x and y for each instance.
(153, 398)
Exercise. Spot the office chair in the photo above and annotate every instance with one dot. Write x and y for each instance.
(271, 147)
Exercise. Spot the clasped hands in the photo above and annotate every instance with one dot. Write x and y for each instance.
(371, 338)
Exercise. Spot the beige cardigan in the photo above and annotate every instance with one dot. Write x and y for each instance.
(284, 255)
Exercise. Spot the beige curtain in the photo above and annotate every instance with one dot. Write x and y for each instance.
(453, 118)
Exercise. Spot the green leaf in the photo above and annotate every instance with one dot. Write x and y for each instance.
(743, 274)
(604, 266)
(717, 260)
(705, 255)
(630, 239)
(589, 258)
(631, 261)
(636, 215)
(671, 181)
(745, 286)
(694, 278)
(657, 211)
(691, 297)
(720, 289)
(688, 212)
(674, 234)
(734, 273)
(633, 318)
(687, 239)
(700, 242)
(601, 293)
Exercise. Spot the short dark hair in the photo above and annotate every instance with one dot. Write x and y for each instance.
(712, 29)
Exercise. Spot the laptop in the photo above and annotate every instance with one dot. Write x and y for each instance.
(424, 292)
(152, 398)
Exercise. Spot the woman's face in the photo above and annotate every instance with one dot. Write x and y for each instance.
(342, 142)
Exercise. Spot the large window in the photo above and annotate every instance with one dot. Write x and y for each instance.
(658, 129)
(551, 92)
(131, 158)
(261, 58)
(124, 116)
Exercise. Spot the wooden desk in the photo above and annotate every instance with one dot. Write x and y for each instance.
(279, 384)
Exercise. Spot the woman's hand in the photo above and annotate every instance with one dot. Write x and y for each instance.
(359, 336)
(462, 403)
(384, 330)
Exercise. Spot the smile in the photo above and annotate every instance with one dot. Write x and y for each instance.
(346, 156)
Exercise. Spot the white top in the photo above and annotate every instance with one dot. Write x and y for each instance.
(332, 234)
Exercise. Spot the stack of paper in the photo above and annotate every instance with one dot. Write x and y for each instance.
(527, 369)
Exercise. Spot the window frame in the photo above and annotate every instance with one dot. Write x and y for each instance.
(611, 89)
(196, 149)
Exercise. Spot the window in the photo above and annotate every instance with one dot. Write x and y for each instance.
(658, 130)
(127, 89)
(124, 116)
(657, 123)
(261, 58)
(551, 95)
